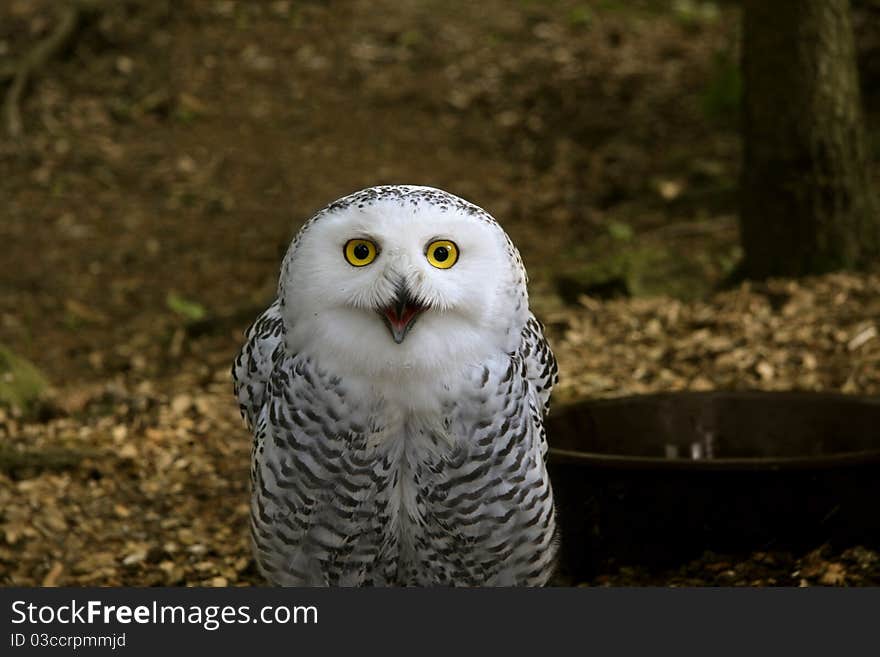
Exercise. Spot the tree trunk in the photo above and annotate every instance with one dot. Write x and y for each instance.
(808, 204)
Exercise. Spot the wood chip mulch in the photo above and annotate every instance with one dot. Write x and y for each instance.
(145, 482)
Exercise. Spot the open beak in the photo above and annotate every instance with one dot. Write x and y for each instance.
(401, 314)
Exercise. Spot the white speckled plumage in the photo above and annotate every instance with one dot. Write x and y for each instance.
(418, 462)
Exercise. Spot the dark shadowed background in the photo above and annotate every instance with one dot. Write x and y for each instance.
(167, 152)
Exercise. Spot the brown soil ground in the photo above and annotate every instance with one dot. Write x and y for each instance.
(173, 148)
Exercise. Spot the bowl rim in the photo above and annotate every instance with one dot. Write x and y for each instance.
(621, 461)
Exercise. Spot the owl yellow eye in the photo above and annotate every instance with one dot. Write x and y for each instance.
(360, 252)
(442, 253)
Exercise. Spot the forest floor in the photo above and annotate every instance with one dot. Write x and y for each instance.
(173, 148)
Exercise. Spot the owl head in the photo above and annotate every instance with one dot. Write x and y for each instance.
(401, 279)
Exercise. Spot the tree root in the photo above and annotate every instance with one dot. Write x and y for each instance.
(35, 60)
(15, 463)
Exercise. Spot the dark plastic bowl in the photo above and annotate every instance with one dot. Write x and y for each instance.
(657, 480)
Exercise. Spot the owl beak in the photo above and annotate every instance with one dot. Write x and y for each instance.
(400, 315)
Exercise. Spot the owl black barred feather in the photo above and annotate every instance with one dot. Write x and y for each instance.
(396, 390)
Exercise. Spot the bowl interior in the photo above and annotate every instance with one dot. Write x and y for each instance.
(718, 426)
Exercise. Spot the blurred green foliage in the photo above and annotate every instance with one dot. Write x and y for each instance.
(620, 231)
(191, 311)
(693, 13)
(581, 16)
(21, 384)
(622, 264)
(722, 95)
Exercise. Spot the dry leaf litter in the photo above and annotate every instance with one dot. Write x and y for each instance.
(148, 480)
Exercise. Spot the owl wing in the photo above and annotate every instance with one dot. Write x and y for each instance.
(253, 365)
(541, 369)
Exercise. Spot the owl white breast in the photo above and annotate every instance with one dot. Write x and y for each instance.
(396, 389)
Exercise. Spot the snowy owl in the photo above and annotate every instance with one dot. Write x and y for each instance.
(396, 390)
